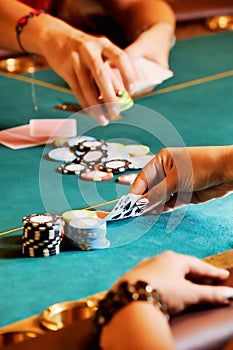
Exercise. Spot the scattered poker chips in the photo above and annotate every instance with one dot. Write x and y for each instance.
(88, 233)
(127, 179)
(42, 235)
(98, 160)
(96, 175)
(115, 166)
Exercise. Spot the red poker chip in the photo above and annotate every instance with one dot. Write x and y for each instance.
(127, 179)
(96, 175)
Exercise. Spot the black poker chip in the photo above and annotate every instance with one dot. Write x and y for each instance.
(74, 168)
(38, 253)
(115, 166)
(41, 220)
(40, 240)
(88, 145)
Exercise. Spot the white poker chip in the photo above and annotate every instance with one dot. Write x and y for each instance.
(93, 156)
(62, 154)
(127, 179)
(96, 175)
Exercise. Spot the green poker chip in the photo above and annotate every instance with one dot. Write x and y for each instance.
(125, 100)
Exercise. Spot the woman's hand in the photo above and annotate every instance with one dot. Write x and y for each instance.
(81, 59)
(153, 44)
(179, 176)
(175, 276)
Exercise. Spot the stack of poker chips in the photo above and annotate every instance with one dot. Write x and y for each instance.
(42, 235)
(88, 233)
(70, 215)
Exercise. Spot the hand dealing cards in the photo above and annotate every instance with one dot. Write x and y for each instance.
(128, 206)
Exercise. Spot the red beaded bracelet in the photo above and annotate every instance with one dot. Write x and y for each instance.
(22, 23)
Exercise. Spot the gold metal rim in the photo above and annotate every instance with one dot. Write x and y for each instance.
(14, 337)
(61, 315)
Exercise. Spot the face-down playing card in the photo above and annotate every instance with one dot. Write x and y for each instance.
(128, 206)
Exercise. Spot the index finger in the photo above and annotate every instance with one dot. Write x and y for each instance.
(119, 59)
(197, 267)
(151, 174)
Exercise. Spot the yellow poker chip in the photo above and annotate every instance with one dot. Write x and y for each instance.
(78, 214)
(96, 175)
(127, 179)
(61, 142)
(137, 150)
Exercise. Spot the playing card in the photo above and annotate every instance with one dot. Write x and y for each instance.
(19, 137)
(148, 74)
(126, 207)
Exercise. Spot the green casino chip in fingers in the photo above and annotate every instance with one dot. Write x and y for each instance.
(124, 100)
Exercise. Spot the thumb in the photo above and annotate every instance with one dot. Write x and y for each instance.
(161, 192)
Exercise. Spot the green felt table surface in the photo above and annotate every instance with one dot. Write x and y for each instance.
(195, 107)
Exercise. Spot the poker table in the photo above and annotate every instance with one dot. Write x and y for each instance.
(193, 108)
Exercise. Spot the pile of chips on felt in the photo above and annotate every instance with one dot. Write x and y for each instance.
(98, 160)
(85, 230)
(42, 234)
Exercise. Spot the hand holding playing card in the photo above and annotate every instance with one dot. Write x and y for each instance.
(128, 206)
(148, 74)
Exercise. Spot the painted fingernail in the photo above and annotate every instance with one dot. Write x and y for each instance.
(102, 120)
(132, 88)
(229, 294)
(114, 112)
(142, 203)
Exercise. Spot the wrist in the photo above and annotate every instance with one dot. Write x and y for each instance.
(29, 35)
(228, 163)
(162, 29)
(148, 326)
(121, 296)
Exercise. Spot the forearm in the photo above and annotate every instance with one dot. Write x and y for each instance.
(137, 326)
(34, 32)
(137, 14)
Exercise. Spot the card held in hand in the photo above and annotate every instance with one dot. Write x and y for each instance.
(126, 207)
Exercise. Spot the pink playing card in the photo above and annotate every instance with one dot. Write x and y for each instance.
(19, 137)
(53, 127)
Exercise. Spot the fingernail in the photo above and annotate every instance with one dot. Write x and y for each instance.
(132, 89)
(116, 117)
(228, 294)
(102, 120)
(115, 111)
(142, 203)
